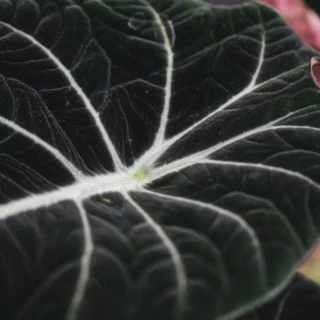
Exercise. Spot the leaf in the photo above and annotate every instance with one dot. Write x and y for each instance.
(159, 160)
(300, 300)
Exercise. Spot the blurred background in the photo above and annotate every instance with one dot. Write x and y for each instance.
(304, 17)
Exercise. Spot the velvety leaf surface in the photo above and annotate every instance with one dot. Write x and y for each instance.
(300, 300)
(159, 159)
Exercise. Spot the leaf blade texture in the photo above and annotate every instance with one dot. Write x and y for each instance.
(158, 159)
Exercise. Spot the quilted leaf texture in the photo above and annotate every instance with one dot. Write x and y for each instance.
(158, 159)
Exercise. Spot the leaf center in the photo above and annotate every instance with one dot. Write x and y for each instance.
(141, 174)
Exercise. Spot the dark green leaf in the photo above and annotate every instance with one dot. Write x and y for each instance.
(158, 159)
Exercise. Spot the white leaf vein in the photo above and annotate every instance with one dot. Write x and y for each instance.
(117, 182)
(160, 135)
(202, 155)
(180, 272)
(85, 262)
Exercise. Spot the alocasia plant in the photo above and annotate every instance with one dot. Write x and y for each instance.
(159, 160)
